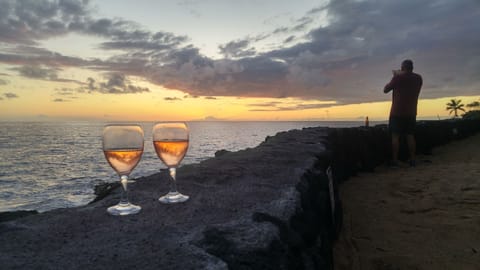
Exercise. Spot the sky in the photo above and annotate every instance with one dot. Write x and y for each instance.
(231, 60)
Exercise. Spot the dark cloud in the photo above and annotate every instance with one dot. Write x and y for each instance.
(289, 39)
(31, 56)
(172, 99)
(37, 72)
(25, 22)
(239, 48)
(60, 100)
(10, 95)
(190, 96)
(211, 98)
(42, 73)
(316, 10)
(116, 83)
(376, 36)
(3, 82)
(347, 59)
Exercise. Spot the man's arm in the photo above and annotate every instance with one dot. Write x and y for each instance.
(389, 87)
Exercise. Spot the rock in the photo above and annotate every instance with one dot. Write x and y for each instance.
(221, 152)
(104, 189)
(7, 216)
(270, 207)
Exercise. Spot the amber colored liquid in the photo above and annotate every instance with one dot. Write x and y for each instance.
(123, 160)
(171, 152)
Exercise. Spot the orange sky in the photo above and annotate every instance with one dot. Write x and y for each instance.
(36, 101)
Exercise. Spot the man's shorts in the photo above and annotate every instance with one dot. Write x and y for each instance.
(402, 124)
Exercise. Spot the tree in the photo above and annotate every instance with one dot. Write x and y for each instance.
(454, 106)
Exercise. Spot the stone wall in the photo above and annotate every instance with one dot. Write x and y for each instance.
(354, 150)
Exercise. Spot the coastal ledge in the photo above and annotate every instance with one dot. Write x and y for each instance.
(274, 206)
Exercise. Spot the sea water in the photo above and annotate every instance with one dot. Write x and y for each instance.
(48, 165)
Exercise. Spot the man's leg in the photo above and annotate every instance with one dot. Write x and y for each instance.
(395, 147)
(411, 148)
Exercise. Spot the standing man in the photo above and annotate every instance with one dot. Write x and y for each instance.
(406, 87)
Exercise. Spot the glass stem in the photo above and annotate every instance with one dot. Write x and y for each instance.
(124, 196)
(173, 181)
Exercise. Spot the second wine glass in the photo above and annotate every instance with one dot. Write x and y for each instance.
(171, 144)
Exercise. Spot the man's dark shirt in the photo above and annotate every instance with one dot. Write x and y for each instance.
(406, 88)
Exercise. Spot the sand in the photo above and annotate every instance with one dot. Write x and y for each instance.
(427, 217)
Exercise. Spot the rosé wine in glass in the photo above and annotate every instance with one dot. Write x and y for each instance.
(171, 144)
(123, 148)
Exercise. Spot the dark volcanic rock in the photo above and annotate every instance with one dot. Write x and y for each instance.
(6, 216)
(261, 208)
(275, 206)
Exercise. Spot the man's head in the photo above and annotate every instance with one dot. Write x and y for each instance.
(407, 65)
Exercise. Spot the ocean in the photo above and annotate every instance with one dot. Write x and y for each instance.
(49, 165)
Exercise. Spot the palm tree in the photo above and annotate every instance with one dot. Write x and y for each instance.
(454, 106)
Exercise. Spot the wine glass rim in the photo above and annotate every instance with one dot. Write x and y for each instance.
(124, 125)
(170, 122)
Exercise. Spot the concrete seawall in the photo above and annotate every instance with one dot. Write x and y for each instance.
(275, 206)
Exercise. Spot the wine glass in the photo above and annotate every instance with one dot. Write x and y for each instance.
(123, 148)
(171, 143)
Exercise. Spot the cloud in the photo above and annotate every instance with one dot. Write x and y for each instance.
(10, 95)
(266, 104)
(364, 39)
(289, 39)
(238, 48)
(346, 58)
(275, 106)
(116, 83)
(34, 56)
(172, 99)
(3, 82)
(191, 6)
(25, 22)
(60, 100)
(42, 73)
(190, 96)
(37, 72)
(211, 98)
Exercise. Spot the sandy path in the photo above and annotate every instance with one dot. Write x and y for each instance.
(426, 217)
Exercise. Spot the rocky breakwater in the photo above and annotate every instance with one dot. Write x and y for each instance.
(271, 207)
(263, 208)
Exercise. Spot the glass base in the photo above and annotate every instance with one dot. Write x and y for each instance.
(173, 197)
(123, 209)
